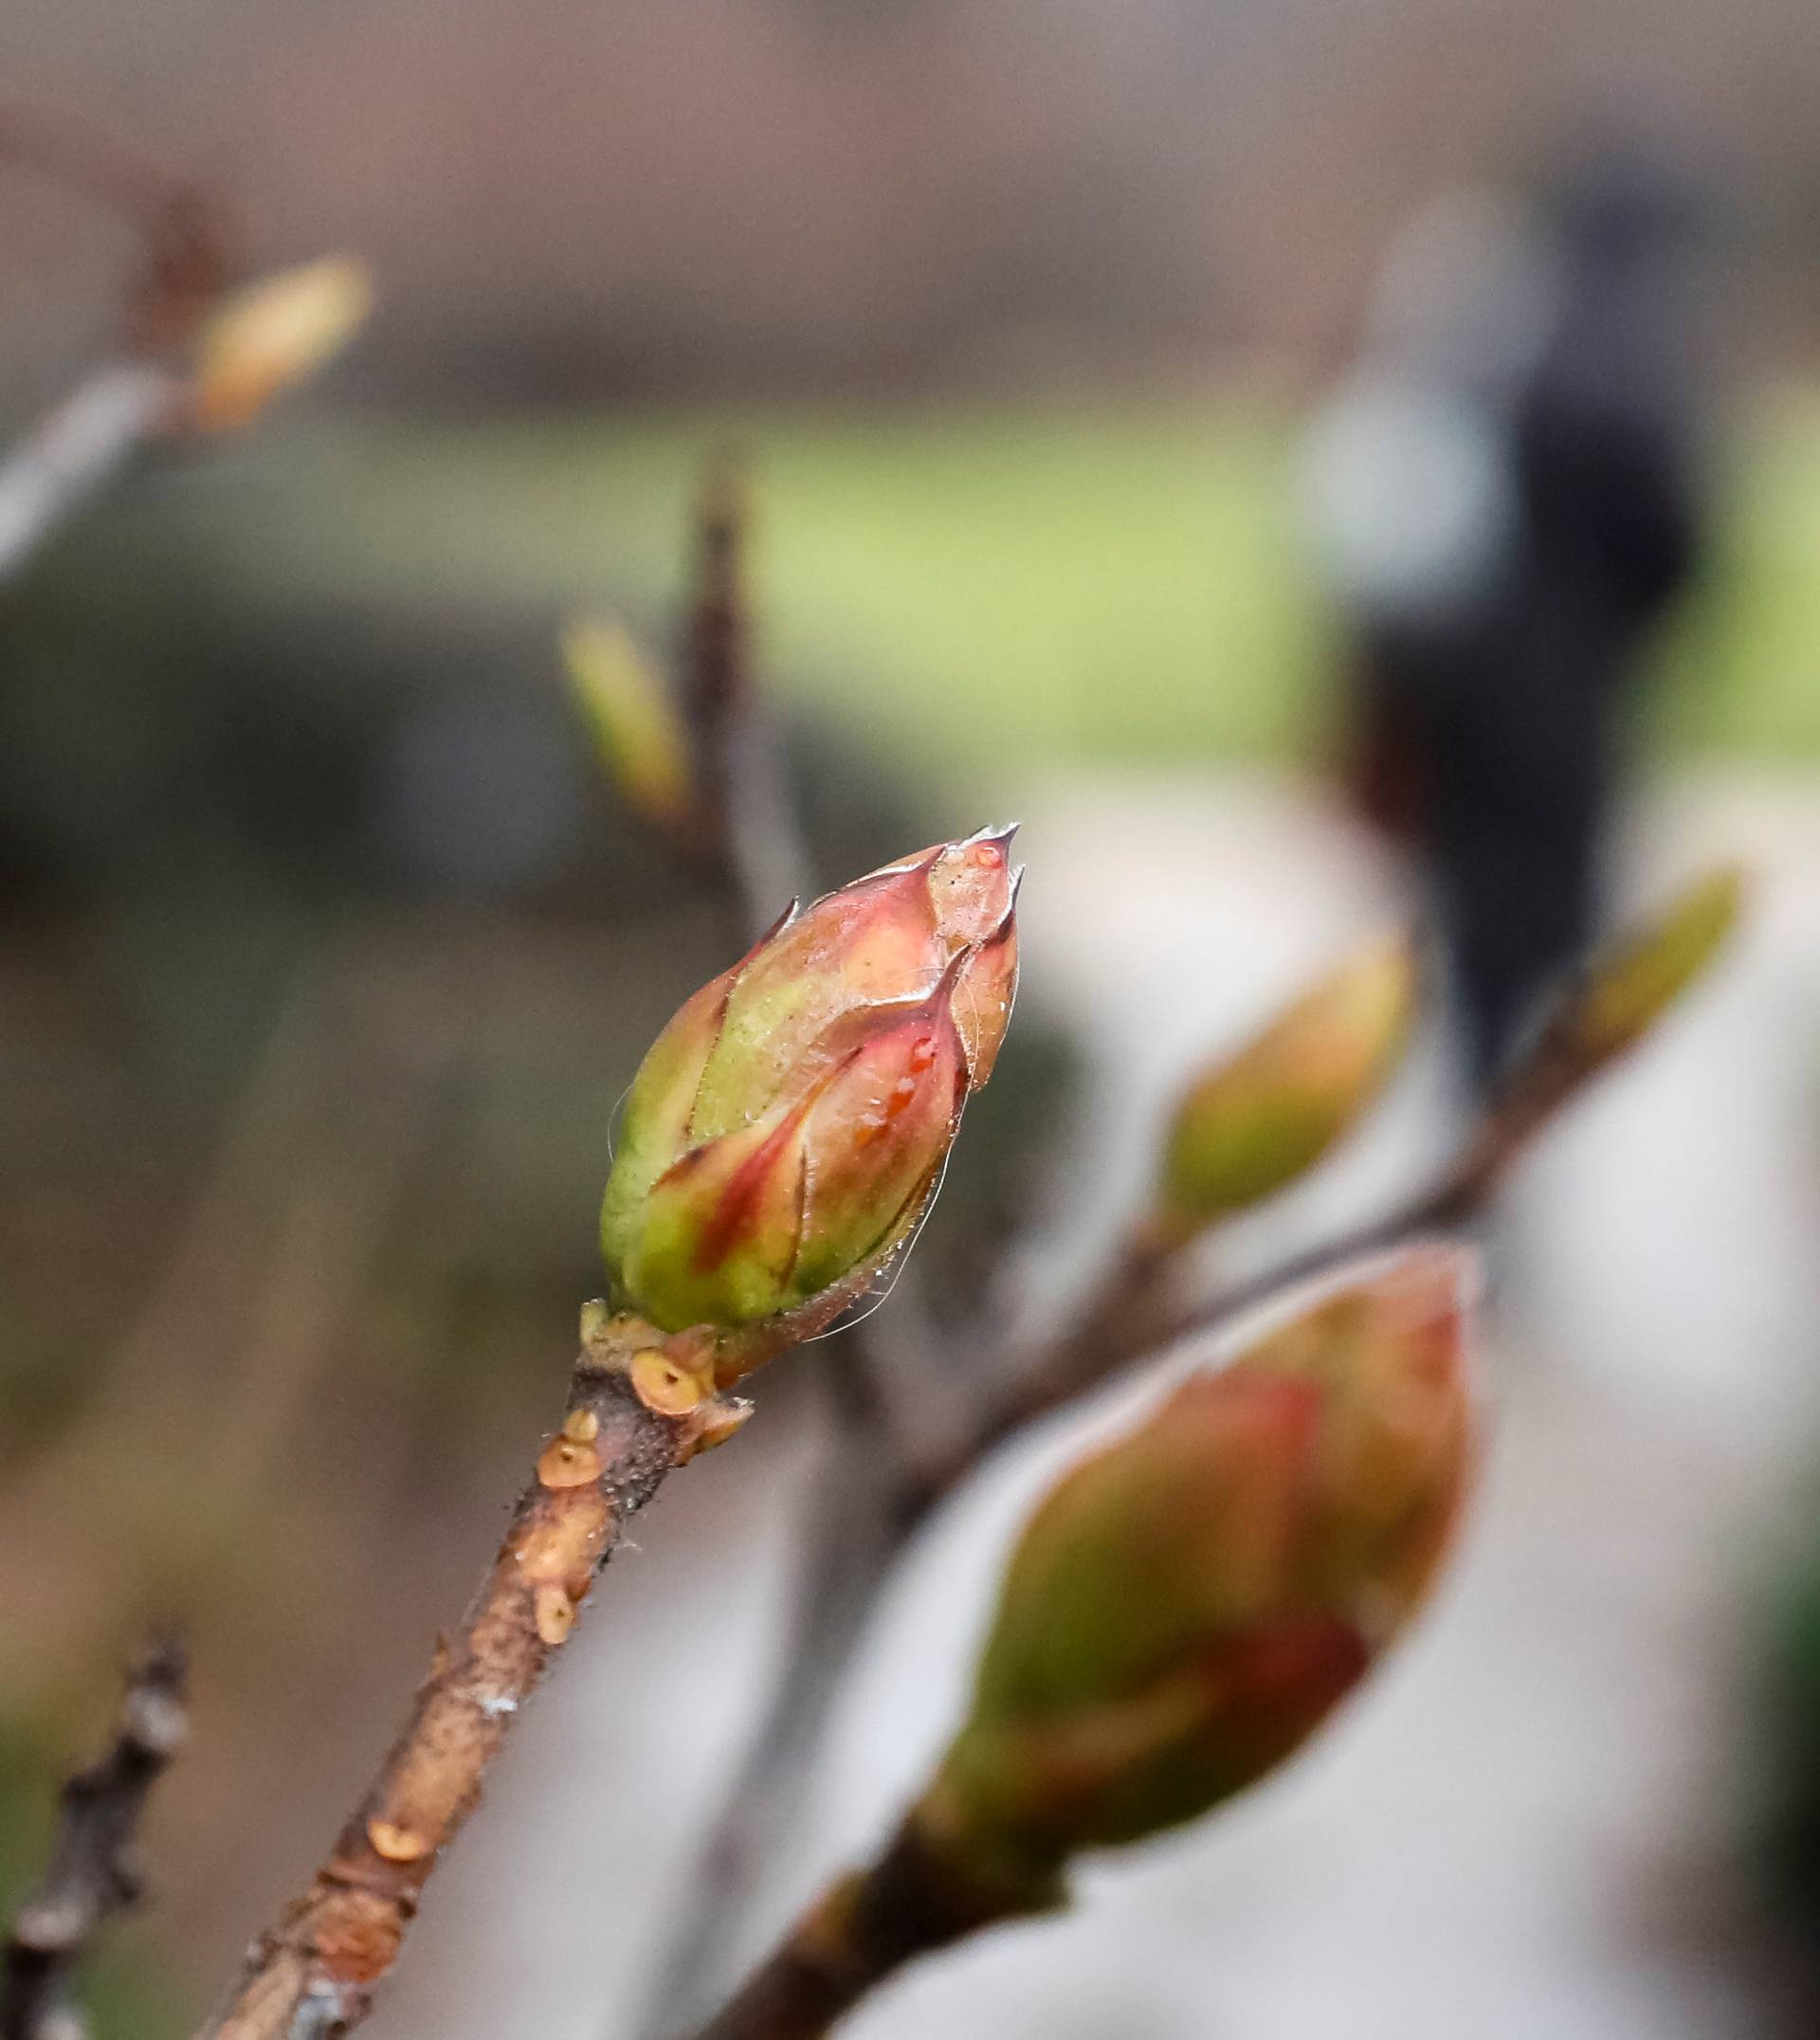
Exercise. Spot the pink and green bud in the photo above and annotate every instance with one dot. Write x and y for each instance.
(790, 1125)
(1255, 1120)
(1189, 1605)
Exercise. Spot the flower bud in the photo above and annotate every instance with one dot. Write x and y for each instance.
(1190, 1604)
(637, 731)
(274, 334)
(1632, 985)
(1253, 1122)
(787, 1128)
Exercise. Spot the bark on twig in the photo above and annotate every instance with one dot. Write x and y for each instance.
(312, 1975)
(92, 1873)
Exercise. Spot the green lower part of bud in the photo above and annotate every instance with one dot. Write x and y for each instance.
(1039, 1789)
(1252, 1152)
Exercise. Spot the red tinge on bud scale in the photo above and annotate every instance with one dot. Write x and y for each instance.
(787, 1128)
(1188, 1606)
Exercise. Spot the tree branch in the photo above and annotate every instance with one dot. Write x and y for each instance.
(913, 1900)
(191, 257)
(92, 1874)
(312, 1975)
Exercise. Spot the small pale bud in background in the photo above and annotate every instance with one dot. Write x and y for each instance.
(637, 731)
(273, 334)
(789, 1127)
(1646, 969)
(1190, 1604)
(1255, 1120)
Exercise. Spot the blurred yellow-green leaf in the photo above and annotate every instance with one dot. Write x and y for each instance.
(1256, 1120)
(273, 334)
(633, 718)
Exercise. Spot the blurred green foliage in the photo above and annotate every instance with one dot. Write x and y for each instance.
(988, 583)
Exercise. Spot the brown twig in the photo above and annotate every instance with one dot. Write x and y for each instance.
(312, 1975)
(92, 1873)
(916, 1898)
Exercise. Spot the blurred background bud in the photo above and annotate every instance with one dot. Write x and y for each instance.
(1648, 969)
(1189, 1605)
(638, 734)
(1255, 1120)
(787, 1128)
(274, 335)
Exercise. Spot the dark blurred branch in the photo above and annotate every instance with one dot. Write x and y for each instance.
(745, 823)
(92, 1873)
(72, 453)
(1131, 1316)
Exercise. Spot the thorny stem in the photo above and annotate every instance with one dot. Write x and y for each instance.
(312, 1975)
(916, 1898)
(92, 1873)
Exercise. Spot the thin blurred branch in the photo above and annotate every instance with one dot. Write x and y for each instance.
(745, 822)
(754, 848)
(75, 449)
(92, 1873)
(848, 1545)
(191, 257)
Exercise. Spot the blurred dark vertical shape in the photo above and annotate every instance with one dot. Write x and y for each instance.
(1510, 496)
